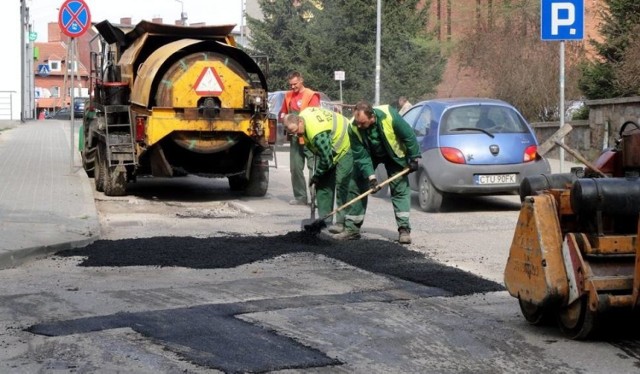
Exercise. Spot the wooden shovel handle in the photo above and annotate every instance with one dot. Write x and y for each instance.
(366, 193)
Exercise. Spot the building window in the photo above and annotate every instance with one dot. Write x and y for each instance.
(55, 91)
(54, 65)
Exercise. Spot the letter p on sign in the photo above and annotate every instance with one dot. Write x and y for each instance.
(562, 19)
(563, 14)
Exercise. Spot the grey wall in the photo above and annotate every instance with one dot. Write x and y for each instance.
(579, 138)
(607, 116)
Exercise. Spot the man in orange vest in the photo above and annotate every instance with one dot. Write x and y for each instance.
(296, 99)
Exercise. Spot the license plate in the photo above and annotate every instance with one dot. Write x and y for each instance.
(496, 179)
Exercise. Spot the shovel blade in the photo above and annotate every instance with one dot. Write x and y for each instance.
(313, 226)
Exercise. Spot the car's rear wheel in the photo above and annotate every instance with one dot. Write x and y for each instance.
(429, 197)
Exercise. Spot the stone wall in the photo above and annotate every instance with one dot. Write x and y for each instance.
(607, 116)
(579, 138)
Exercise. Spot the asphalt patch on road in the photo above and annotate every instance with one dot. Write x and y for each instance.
(377, 256)
(212, 336)
(206, 335)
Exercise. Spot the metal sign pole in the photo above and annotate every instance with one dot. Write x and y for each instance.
(376, 100)
(339, 76)
(74, 19)
(72, 45)
(561, 103)
(561, 20)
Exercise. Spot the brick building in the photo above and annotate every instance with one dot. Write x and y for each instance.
(53, 89)
(53, 69)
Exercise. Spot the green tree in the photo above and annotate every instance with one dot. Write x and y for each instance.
(281, 36)
(613, 72)
(318, 38)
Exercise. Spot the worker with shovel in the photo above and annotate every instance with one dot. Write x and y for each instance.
(325, 135)
(380, 135)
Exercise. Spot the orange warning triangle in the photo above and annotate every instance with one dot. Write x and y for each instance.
(208, 83)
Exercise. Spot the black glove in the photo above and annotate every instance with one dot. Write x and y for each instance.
(313, 181)
(413, 165)
(373, 184)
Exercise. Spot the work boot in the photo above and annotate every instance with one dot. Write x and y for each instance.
(297, 202)
(347, 235)
(337, 228)
(404, 236)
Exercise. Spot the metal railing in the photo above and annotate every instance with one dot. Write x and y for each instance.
(6, 104)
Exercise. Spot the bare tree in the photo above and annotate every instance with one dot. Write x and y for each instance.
(506, 51)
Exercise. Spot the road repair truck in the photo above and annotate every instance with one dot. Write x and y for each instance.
(170, 101)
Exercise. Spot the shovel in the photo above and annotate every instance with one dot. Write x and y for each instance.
(315, 226)
(312, 193)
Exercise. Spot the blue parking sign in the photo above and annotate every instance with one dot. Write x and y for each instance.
(562, 19)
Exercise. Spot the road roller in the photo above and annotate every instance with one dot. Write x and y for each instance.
(574, 256)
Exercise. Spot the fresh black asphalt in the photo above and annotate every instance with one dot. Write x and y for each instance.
(377, 256)
(211, 335)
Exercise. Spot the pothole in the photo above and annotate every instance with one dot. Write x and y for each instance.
(223, 210)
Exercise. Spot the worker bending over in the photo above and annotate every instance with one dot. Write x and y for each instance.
(380, 136)
(325, 135)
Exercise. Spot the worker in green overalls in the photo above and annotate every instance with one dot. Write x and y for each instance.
(326, 136)
(380, 135)
(295, 100)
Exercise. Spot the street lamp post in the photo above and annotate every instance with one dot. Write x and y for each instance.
(183, 15)
(378, 31)
(242, 23)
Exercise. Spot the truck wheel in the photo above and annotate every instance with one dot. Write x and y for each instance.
(88, 162)
(115, 181)
(237, 183)
(88, 154)
(258, 179)
(429, 197)
(100, 167)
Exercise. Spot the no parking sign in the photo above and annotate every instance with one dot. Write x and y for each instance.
(74, 18)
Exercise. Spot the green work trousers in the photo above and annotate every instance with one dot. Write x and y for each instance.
(400, 198)
(298, 154)
(334, 187)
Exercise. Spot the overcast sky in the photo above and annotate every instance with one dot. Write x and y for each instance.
(212, 12)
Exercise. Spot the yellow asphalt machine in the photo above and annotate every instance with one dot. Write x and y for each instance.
(575, 253)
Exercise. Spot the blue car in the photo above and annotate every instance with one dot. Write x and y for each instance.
(471, 146)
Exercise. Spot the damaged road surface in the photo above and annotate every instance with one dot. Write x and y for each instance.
(189, 279)
(225, 334)
(264, 303)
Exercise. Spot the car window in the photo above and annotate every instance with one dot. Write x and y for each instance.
(275, 102)
(412, 114)
(507, 120)
(492, 118)
(423, 124)
(456, 118)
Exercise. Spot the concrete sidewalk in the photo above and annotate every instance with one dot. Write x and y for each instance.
(46, 202)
